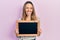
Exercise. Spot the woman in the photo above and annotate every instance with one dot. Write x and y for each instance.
(28, 15)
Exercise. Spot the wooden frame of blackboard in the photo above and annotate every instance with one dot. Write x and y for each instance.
(38, 24)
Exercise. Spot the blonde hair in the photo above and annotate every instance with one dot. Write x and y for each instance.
(24, 15)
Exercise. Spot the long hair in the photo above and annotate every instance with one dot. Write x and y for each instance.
(24, 15)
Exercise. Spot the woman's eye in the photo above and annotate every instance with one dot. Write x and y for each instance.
(26, 7)
(31, 8)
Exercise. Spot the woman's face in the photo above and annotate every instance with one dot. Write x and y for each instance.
(28, 9)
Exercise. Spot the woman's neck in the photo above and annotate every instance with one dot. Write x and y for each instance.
(28, 18)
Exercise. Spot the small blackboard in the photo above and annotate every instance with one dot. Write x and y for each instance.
(27, 28)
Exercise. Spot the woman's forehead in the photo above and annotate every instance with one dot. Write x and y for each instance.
(29, 5)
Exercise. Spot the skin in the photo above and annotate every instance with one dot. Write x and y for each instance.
(29, 10)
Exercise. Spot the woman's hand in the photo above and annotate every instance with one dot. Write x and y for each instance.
(39, 32)
(17, 32)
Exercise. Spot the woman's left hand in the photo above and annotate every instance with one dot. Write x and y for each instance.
(39, 32)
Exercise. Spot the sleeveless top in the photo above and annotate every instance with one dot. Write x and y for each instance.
(27, 37)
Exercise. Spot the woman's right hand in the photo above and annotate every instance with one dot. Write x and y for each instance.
(17, 32)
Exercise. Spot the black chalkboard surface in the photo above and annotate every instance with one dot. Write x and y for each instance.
(27, 27)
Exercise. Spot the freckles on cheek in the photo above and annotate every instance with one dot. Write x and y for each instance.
(31, 10)
(28, 10)
(25, 10)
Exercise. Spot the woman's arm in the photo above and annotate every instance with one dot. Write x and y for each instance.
(39, 29)
(16, 30)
